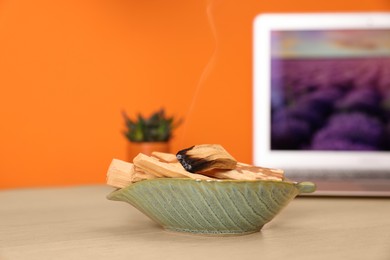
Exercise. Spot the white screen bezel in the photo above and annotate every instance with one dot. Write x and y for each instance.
(262, 153)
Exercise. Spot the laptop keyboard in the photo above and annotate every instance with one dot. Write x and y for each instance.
(336, 175)
(345, 182)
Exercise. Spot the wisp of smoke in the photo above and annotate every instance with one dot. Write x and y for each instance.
(211, 4)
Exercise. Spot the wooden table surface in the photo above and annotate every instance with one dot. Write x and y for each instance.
(79, 223)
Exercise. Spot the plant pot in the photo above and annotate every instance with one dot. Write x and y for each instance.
(134, 148)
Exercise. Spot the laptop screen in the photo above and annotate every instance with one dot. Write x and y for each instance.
(321, 99)
(330, 90)
(321, 92)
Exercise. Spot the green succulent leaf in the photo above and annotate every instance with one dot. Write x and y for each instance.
(156, 128)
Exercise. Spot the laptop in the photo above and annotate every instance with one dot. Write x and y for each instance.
(321, 100)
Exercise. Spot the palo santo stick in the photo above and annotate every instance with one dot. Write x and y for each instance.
(206, 157)
(165, 157)
(162, 169)
(277, 173)
(121, 174)
(141, 175)
(247, 172)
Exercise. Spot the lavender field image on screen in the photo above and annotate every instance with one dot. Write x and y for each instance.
(334, 98)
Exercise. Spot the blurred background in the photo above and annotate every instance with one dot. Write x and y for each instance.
(68, 69)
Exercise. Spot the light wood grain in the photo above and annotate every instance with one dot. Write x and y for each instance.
(79, 223)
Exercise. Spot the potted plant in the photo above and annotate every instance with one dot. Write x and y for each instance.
(148, 134)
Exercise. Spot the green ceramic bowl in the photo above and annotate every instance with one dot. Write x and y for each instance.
(223, 207)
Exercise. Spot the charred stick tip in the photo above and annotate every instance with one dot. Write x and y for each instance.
(183, 159)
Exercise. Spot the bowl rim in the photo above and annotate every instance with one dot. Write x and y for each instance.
(302, 187)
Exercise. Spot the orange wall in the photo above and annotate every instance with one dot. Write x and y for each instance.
(67, 69)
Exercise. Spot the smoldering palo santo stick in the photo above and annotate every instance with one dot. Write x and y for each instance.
(161, 169)
(205, 157)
